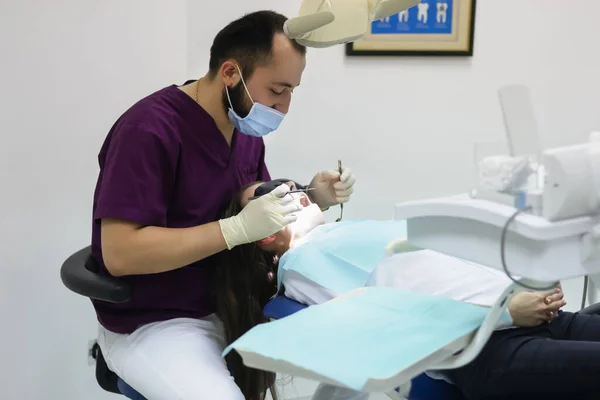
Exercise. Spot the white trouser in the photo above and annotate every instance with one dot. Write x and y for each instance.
(180, 359)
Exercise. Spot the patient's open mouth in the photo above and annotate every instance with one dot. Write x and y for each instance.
(304, 201)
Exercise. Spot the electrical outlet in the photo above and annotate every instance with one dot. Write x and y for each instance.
(90, 357)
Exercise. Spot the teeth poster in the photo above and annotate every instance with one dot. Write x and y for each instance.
(428, 17)
(432, 27)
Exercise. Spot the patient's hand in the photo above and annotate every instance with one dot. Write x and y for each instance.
(529, 309)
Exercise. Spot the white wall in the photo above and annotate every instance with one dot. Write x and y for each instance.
(407, 125)
(68, 69)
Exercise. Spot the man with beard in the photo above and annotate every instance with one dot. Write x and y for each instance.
(168, 167)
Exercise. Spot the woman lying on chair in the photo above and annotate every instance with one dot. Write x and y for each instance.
(546, 352)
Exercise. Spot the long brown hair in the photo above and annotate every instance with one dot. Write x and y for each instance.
(244, 281)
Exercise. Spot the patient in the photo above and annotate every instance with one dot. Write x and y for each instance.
(546, 352)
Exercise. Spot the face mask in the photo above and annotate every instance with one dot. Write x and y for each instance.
(260, 121)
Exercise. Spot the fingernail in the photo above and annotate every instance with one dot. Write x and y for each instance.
(547, 300)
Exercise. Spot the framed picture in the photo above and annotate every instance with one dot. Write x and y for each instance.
(431, 28)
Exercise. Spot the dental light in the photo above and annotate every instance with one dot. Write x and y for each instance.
(326, 23)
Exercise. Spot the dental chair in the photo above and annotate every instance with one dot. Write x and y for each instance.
(80, 274)
(422, 387)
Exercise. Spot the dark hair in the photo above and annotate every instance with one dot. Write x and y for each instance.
(244, 281)
(249, 41)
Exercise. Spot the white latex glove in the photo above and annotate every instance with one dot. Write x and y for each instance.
(331, 188)
(261, 218)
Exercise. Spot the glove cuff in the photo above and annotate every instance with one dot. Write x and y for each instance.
(311, 193)
(231, 232)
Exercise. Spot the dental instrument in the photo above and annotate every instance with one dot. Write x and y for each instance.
(290, 192)
(341, 205)
(326, 23)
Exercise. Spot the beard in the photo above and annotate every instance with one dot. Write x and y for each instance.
(237, 94)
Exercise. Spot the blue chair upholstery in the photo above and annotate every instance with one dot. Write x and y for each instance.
(128, 391)
(423, 387)
(281, 307)
(426, 388)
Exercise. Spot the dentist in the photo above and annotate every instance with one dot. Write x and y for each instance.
(168, 168)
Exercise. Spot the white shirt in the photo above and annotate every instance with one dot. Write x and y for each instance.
(422, 271)
(433, 273)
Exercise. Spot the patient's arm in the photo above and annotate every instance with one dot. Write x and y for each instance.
(529, 309)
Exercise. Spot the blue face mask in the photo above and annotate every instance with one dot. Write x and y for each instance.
(260, 121)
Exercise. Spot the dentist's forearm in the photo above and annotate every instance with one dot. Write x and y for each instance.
(130, 249)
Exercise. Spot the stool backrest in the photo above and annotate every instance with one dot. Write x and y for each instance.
(82, 274)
